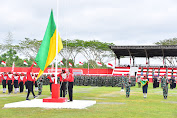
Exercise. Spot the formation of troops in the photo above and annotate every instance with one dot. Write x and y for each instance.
(17, 82)
(125, 81)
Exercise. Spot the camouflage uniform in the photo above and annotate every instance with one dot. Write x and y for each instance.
(39, 82)
(127, 86)
(122, 83)
(165, 87)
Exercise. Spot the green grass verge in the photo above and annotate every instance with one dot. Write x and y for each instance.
(111, 103)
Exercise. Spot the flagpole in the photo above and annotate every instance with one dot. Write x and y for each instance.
(88, 67)
(56, 46)
(66, 56)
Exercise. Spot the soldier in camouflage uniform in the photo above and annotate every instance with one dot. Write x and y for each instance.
(127, 85)
(39, 82)
(122, 83)
(164, 83)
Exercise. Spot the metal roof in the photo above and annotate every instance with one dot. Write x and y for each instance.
(145, 51)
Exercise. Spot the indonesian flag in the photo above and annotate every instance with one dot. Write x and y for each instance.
(61, 63)
(110, 65)
(99, 64)
(3, 63)
(25, 63)
(13, 66)
(70, 64)
(80, 63)
(34, 63)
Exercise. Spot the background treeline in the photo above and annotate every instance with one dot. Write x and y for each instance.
(91, 51)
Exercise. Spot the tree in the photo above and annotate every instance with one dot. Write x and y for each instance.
(8, 43)
(97, 51)
(172, 41)
(9, 57)
(29, 48)
(71, 48)
(9, 40)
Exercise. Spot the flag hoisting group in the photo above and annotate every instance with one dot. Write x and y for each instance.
(17, 81)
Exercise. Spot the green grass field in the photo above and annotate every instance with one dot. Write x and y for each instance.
(111, 103)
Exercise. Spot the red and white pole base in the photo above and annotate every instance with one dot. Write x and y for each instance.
(55, 95)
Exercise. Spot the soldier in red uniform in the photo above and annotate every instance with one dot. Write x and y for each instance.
(63, 81)
(4, 79)
(9, 79)
(30, 82)
(52, 81)
(21, 82)
(15, 81)
(70, 84)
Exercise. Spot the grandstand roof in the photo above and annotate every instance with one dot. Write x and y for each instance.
(145, 51)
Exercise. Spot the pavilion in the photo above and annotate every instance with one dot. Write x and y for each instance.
(147, 51)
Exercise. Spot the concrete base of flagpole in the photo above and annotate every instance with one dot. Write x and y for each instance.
(55, 95)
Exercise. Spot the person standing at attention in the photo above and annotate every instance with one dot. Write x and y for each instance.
(144, 81)
(70, 84)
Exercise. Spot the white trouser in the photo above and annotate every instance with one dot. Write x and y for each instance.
(4, 90)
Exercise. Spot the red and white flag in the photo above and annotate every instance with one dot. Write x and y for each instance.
(52, 69)
(3, 63)
(25, 63)
(70, 64)
(34, 63)
(110, 65)
(99, 64)
(13, 66)
(61, 63)
(80, 63)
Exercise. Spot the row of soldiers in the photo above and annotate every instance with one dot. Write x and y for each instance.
(17, 81)
(158, 79)
(96, 80)
(164, 84)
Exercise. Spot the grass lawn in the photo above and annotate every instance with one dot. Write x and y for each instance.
(111, 103)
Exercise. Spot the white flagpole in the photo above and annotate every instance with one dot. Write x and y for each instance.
(56, 46)
(66, 56)
(88, 67)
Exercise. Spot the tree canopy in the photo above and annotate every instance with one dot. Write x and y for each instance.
(27, 49)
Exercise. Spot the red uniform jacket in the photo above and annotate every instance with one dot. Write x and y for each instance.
(5, 77)
(15, 78)
(52, 79)
(25, 79)
(29, 78)
(61, 79)
(22, 79)
(9, 77)
(1, 77)
(71, 77)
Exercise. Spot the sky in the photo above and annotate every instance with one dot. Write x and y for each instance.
(122, 22)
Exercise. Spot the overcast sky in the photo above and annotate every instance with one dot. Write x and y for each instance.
(123, 22)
